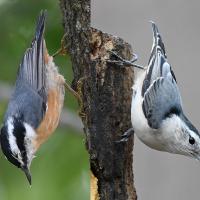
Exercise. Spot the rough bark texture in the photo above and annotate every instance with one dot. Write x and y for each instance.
(106, 94)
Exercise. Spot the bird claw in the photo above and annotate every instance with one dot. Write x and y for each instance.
(75, 94)
(78, 95)
(80, 83)
(126, 135)
(134, 57)
(121, 61)
(62, 50)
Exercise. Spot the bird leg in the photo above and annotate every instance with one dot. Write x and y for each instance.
(126, 135)
(62, 50)
(121, 61)
(79, 91)
(78, 95)
(75, 94)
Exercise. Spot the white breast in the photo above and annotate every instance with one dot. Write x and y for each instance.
(146, 134)
(138, 119)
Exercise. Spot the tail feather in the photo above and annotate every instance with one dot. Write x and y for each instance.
(39, 32)
(158, 65)
(32, 69)
(158, 44)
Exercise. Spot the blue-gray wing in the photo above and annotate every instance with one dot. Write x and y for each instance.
(26, 105)
(32, 70)
(160, 91)
(158, 65)
(30, 95)
(161, 100)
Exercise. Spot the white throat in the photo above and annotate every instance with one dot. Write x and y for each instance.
(30, 136)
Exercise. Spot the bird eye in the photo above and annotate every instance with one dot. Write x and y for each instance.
(191, 140)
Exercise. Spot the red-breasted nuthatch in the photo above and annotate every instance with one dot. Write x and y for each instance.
(35, 106)
(156, 113)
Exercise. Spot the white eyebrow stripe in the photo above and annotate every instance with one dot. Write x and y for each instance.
(12, 141)
(11, 138)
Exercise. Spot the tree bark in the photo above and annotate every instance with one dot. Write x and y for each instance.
(105, 90)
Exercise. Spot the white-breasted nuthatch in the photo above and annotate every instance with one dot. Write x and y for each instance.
(34, 109)
(156, 112)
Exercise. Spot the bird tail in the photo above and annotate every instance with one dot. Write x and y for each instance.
(158, 65)
(158, 44)
(40, 27)
(32, 69)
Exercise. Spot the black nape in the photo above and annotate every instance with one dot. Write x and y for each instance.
(173, 110)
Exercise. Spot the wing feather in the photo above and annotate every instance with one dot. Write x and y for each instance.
(158, 65)
(32, 70)
(160, 91)
(160, 101)
(29, 99)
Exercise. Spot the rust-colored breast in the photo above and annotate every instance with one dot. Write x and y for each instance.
(55, 84)
(51, 118)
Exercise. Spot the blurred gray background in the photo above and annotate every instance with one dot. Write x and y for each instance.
(159, 175)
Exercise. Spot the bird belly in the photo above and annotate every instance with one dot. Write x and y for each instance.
(56, 92)
(139, 122)
(141, 128)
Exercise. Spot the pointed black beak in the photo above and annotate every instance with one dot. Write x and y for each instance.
(28, 174)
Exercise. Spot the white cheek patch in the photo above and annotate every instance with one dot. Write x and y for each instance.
(30, 136)
(172, 133)
(30, 133)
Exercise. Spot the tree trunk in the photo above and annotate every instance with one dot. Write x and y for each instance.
(105, 90)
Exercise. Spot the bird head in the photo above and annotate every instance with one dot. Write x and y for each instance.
(16, 140)
(183, 138)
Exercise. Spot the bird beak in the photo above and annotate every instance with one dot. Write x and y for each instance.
(27, 173)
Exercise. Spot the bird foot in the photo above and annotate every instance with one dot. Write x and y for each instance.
(78, 95)
(62, 50)
(118, 60)
(126, 135)
(75, 94)
(79, 92)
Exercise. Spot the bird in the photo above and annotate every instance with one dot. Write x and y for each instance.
(157, 114)
(35, 106)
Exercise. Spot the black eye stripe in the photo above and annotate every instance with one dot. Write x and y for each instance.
(189, 124)
(6, 147)
(19, 133)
